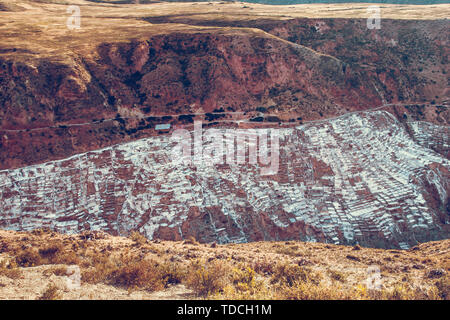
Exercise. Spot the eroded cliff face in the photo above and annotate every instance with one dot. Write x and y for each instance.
(295, 69)
(406, 60)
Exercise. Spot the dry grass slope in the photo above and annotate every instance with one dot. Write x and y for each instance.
(35, 265)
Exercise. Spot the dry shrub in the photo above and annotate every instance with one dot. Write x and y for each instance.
(172, 273)
(264, 267)
(243, 283)
(292, 251)
(139, 274)
(245, 286)
(9, 269)
(435, 273)
(291, 281)
(431, 293)
(232, 293)
(50, 293)
(68, 257)
(289, 274)
(443, 287)
(243, 278)
(131, 272)
(301, 290)
(191, 240)
(337, 275)
(54, 253)
(355, 258)
(403, 291)
(49, 254)
(50, 251)
(99, 268)
(56, 270)
(206, 278)
(28, 258)
(399, 292)
(138, 238)
(41, 231)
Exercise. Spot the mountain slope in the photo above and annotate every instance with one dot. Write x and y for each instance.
(133, 61)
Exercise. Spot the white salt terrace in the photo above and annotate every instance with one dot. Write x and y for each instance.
(340, 181)
(430, 135)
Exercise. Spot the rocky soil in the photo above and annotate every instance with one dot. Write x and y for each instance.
(68, 91)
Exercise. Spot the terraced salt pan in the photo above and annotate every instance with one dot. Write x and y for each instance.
(431, 135)
(342, 180)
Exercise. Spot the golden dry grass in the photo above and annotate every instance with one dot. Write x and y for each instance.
(259, 270)
(50, 293)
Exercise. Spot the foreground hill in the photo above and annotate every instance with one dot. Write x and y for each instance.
(360, 178)
(36, 265)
